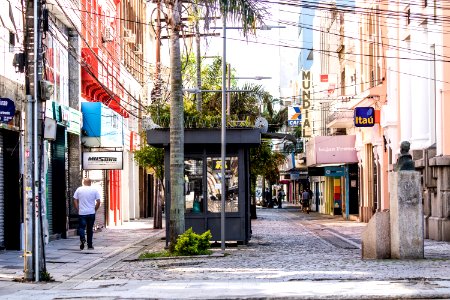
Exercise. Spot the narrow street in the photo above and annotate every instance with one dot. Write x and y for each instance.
(291, 255)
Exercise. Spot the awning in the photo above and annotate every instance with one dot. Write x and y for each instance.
(326, 150)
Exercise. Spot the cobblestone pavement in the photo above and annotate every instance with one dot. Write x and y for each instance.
(288, 246)
(291, 255)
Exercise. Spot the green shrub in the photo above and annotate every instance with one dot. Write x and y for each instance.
(190, 243)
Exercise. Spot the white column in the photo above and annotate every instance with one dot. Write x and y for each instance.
(420, 92)
(405, 94)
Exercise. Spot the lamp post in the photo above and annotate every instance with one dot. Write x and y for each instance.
(223, 140)
(223, 133)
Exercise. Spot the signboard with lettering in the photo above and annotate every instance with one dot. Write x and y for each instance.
(294, 116)
(7, 110)
(103, 160)
(306, 101)
(364, 116)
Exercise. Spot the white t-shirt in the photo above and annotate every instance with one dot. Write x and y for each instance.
(86, 196)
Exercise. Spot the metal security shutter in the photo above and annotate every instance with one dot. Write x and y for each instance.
(59, 191)
(50, 190)
(2, 197)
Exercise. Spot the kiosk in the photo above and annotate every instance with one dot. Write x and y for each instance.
(202, 173)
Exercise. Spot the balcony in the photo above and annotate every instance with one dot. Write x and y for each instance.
(340, 119)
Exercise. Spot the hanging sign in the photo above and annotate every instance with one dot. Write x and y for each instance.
(103, 160)
(7, 110)
(364, 116)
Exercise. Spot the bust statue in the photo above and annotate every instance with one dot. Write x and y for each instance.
(404, 161)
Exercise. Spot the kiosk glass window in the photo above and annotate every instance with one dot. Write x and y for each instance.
(214, 184)
(193, 187)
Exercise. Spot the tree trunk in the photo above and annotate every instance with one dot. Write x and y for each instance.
(176, 222)
(198, 61)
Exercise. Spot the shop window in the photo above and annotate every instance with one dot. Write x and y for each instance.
(214, 184)
(193, 176)
(12, 41)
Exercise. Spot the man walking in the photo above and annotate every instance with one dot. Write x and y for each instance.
(305, 201)
(86, 201)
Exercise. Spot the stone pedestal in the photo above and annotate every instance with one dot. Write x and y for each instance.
(376, 237)
(406, 215)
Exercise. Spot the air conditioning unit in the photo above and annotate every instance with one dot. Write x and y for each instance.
(47, 89)
(129, 36)
(108, 34)
(138, 49)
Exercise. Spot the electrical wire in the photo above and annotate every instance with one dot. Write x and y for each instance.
(102, 63)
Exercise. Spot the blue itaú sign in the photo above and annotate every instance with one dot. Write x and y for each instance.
(364, 116)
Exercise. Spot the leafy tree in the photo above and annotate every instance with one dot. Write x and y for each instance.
(244, 11)
(151, 157)
(264, 161)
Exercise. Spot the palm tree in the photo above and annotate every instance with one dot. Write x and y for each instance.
(248, 13)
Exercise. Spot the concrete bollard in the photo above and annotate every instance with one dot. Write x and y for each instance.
(406, 215)
(376, 238)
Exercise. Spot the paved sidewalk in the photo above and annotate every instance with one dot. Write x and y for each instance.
(64, 259)
(291, 255)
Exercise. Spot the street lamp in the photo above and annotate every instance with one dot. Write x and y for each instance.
(224, 118)
(224, 121)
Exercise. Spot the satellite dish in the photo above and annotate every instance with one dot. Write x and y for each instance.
(147, 123)
(262, 124)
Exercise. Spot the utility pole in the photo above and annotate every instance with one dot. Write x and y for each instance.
(157, 207)
(32, 255)
(229, 88)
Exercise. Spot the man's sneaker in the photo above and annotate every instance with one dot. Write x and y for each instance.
(90, 247)
(82, 244)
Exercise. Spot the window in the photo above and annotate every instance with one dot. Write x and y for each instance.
(12, 41)
(214, 184)
(193, 188)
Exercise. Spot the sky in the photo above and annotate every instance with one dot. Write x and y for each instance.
(261, 55)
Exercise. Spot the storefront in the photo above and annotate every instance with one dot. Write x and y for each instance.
(331, 161)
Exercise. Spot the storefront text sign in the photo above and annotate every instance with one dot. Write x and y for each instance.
(338, 149)
(7, 110)
(294, 116)
(364, 116)
(306, 101)
(103, 160)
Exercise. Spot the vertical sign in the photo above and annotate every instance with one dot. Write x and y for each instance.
(306, 100)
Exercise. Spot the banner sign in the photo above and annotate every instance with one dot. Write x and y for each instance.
(7, 110)
(103, 160)
(364, 116)
(294, 116)
(306, 101)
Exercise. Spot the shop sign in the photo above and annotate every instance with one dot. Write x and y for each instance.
(7, 110)
(364, 116)
(294, 116)
(74, 123)
(103, 160)
(306, 101)
(334, 171)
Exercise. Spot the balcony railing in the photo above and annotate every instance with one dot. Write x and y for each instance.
(340, 119)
